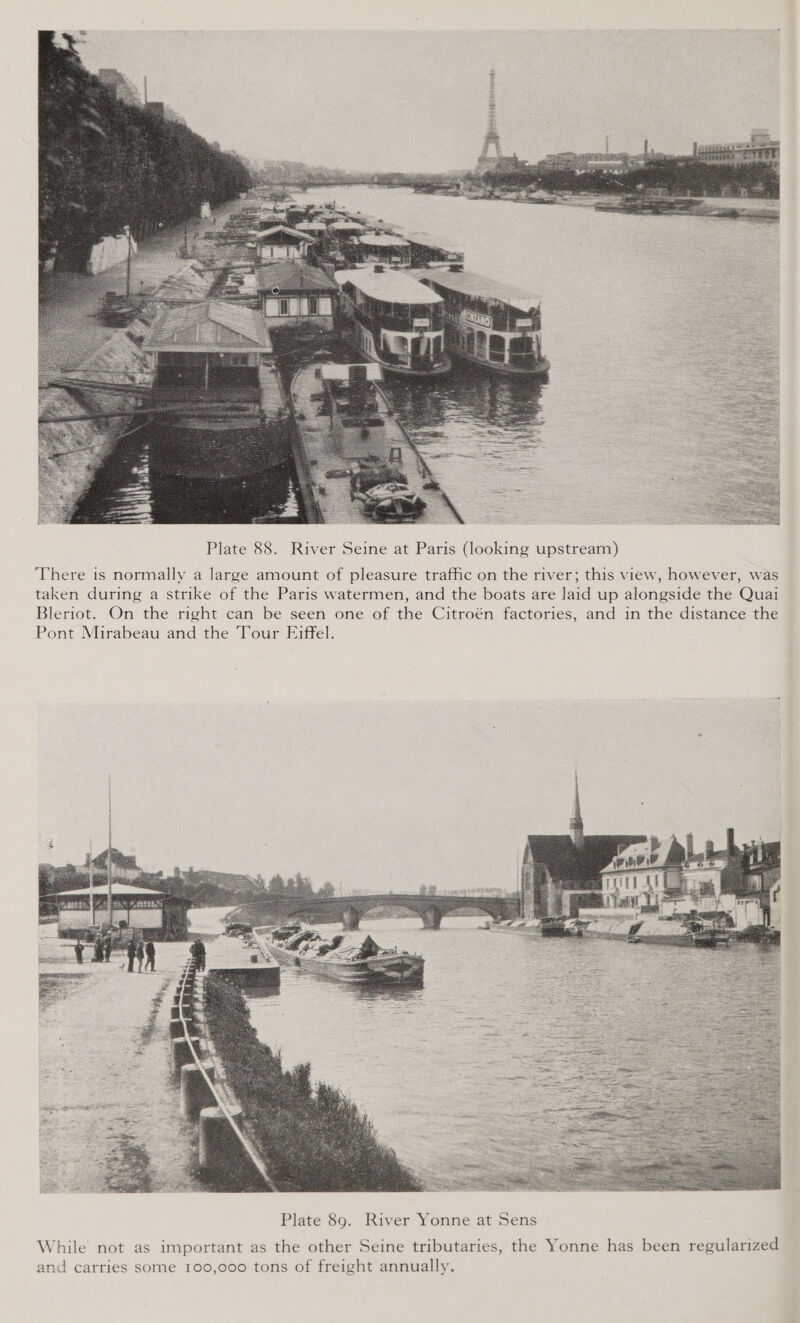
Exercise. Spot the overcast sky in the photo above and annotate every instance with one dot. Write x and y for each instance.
(418, 100)
(392, 796)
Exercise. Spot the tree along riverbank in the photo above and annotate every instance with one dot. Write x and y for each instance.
(309, 1139)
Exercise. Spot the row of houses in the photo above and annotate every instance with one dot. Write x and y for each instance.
(575, 873)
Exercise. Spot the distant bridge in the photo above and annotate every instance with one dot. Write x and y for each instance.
(350, 910)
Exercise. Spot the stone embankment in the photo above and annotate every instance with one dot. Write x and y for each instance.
(72, 452)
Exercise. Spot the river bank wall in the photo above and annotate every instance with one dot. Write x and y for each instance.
(74, 448)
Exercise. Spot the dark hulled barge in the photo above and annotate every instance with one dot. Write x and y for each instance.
(216, 398)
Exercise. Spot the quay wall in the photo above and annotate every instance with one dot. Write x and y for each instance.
(72, 453)
(308, 1138)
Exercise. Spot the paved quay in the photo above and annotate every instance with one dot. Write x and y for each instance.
(69, 327)
(109, 1106)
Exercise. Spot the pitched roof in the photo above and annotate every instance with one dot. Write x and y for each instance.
(288, 277)
(383, 240)
(210, 324)
(117, 889)
(565, 862)
(282, 229)
(643, 855)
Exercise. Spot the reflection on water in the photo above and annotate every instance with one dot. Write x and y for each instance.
(524, 1063)
(127, 491)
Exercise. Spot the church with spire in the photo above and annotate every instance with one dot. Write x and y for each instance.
(559, 874)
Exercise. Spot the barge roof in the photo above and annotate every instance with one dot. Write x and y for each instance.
(425, 240)
(287, 276)
(197, 327)
(390, 286)
(383, 240)
(481, 287)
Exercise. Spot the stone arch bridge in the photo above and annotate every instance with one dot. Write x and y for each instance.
(350, 910)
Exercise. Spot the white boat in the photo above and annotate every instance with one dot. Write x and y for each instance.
(392, 319)
(486, 322)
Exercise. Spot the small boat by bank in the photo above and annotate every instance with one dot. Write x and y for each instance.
(347, 957)
(353, 457)
(496, 326)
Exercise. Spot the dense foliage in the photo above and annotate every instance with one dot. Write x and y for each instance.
(104, 164)
(309, 1139)
(686, 175)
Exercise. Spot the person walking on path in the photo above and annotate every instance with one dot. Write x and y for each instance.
(200, 954)
(79, 951)
(150, 952)
(140, 955)
(107, 947)
(98, 950)
(131, 949)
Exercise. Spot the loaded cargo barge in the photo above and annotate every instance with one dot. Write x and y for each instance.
(354, 460)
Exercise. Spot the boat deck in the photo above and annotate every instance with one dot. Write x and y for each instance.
(323, 474)
(249, 965)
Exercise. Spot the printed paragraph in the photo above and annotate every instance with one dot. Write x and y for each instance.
(313, 592)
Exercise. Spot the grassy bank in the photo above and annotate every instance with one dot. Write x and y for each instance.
(309, 1139)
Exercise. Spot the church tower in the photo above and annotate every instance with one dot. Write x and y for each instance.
(576, 821)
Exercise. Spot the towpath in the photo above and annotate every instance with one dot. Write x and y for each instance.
(109, 1107)
(69, 328)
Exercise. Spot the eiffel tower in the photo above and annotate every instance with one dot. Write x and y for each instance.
(492, 139)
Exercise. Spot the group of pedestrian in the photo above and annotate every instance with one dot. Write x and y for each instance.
(198, 950)
(142, 952)
(137, 951)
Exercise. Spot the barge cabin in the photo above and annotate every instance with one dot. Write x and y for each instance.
(282, 241)
(390, 249)
(497, 326)
(294, 294)
(393, 320)
(216, 396)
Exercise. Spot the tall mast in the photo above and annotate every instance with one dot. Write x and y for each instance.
(109, 864)
(91, 886)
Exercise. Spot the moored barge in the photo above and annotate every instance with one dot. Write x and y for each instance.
(216, 398)
(345, 957)
(353, 457)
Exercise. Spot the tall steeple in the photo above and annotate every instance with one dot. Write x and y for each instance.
(576, 821)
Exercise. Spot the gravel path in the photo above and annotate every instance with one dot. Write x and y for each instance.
(109, 1106)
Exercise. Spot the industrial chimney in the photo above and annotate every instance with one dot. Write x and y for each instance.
(689, 845)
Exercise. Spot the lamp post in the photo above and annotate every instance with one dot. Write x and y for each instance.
(128, 271)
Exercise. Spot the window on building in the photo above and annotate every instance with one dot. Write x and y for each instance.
(284, 307)
(313, 304)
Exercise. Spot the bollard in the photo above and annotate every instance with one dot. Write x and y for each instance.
(176, 1027)
(221, 1154)
(182, 1052)
(196, 1093)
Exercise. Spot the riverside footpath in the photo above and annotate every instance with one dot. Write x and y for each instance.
(69, 327)
(109, 1119)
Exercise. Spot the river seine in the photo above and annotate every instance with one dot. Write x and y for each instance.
(661, 406)
(538, 1064)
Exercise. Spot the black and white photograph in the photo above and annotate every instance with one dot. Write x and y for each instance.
(406, 946)
(444, 276)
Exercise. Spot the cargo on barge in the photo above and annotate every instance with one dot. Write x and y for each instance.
(353, 457)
